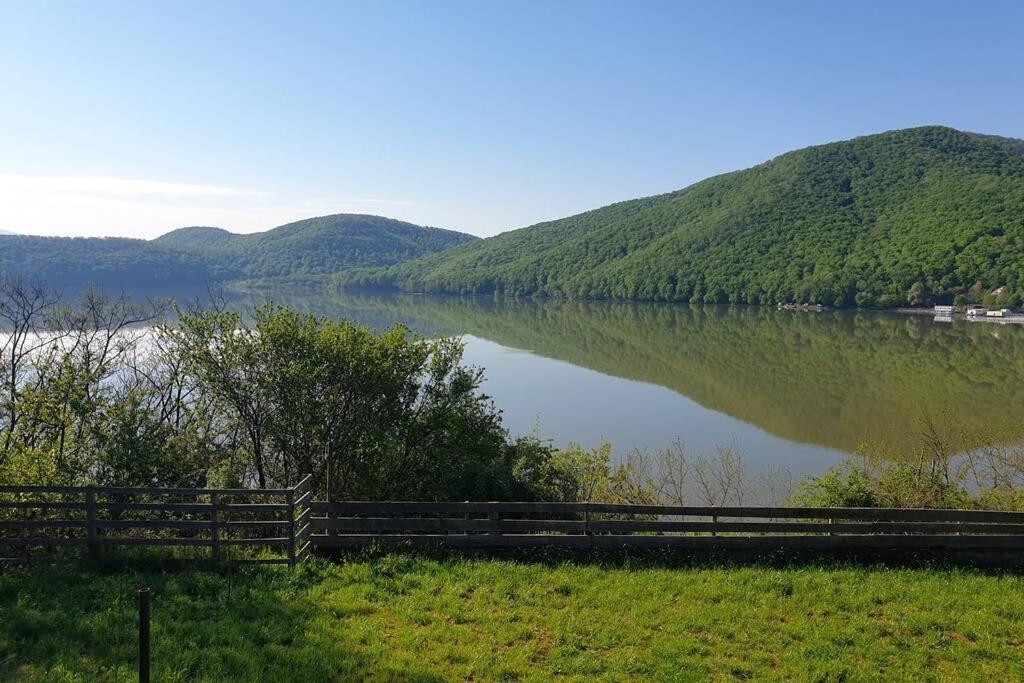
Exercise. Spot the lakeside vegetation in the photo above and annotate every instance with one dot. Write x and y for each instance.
(106, 392)
(906, 217)
(103, 391)
(414, 617)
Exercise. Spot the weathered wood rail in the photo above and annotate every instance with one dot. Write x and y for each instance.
(604, 526)
(288, 521)
(35, 519)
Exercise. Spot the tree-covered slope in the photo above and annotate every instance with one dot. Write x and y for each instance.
(197, 238)
(904, 217)
(316, 246)
(103, 261)
(311, 248)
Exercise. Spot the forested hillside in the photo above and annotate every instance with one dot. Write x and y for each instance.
(103, 261)
(311, 248)
(906, 217)
(316, 246)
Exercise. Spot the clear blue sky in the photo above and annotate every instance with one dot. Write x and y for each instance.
(134, 118)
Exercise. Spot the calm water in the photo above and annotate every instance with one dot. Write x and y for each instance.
(796, 389)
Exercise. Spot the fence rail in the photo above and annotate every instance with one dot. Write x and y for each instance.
(95, 518)
(609, 526)
(219, 522)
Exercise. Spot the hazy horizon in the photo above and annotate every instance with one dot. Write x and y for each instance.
(134, 120)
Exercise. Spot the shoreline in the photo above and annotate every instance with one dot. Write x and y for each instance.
(1015, 319)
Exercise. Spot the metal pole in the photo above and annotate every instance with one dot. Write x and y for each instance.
(144, 594)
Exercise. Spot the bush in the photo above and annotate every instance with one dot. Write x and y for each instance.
(214, 399)
(844, 486)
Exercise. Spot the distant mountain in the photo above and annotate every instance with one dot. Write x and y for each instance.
(196, 238)
(316, 246)
(105, 261)
(307, 249)
(6, 232)
(905, 217)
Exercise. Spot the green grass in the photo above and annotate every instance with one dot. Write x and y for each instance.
(410, 617)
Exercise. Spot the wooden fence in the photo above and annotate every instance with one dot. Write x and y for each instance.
(288, 521)
(43, 522)
(600, 526)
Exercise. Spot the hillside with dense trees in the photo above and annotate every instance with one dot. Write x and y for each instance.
(313, 247)
(907, 217)
(104, 261)
(306, 249)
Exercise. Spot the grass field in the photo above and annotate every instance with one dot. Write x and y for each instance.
(410, 617)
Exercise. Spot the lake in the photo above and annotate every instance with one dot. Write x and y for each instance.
(796, 389)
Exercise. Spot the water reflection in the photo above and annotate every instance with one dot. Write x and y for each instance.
(828, 380)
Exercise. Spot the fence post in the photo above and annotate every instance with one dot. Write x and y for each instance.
(495, 523)
(90, 523)
(144, 635)
(714, 521)
(586, 526)
(215, 524)
(331, 531)
(291, 527)
(302, 537)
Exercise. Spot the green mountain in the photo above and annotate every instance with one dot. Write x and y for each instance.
(196, 238)
(904, 217)
(306, 249)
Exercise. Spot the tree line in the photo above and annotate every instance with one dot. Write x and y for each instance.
(308, 249)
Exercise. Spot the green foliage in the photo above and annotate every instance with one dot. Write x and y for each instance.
(394, 416)
(312, 247)
(106, 261)
(413, 618)
(894, 485)
(79, 403)
(88, 396)
(906, 217)
(844, 486)
(306, 249)
(950, 469)
(585, 472)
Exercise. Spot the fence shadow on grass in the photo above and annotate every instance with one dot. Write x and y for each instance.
(675, 559)
(228, 624)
